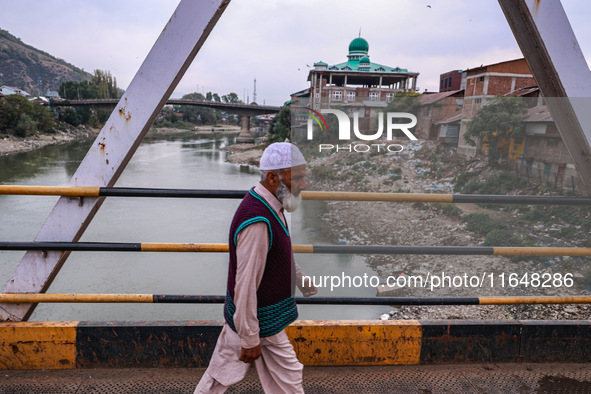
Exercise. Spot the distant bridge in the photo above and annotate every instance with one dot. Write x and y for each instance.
(245, 111)
(236, 108)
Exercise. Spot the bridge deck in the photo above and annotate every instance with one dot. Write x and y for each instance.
(466, 378)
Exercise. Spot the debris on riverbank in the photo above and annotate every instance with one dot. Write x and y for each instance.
(425, 168)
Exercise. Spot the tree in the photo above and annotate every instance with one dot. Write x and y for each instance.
(106, 84)
(70, 116)
(196, 114)
(281, 125)
(405, 102)
(495, 123)
(231, 98)
(102, 85)
(25, 126)
(21, 117)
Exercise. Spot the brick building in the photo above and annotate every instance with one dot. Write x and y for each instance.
(452, 80)
(545, 157)
(435, 108)
(485, 83)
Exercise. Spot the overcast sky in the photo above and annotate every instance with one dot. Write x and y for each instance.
(275, 41)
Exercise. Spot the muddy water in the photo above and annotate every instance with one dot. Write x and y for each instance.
(174, 162)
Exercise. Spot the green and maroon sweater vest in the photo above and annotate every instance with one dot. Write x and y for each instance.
(276, 307)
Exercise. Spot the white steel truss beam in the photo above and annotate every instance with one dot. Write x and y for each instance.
(550, 47)
(156, 79)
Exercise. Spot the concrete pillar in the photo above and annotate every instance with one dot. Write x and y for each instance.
(245, 137)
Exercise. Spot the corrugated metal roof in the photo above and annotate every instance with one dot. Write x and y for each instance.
(427, 99)
(523, 91)
(302, 93)
(538, 114)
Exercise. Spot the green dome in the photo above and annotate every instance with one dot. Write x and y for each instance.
(359, 45)
(364, 59)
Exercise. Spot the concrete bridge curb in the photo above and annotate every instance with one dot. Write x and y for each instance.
(70, 345)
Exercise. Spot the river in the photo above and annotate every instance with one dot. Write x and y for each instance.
(171, 162)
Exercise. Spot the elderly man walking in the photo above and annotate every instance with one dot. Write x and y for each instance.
(261, 282)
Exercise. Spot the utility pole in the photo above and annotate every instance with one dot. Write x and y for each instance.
(254, 93)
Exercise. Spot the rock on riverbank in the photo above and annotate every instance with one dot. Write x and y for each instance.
(244, 154)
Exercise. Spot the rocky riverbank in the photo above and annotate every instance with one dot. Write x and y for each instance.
(244, 154)
(424, 168)
(199, 130)
(11, 144)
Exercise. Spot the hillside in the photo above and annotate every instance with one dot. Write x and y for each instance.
(22, 65)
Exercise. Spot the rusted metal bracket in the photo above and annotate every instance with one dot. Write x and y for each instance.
(169, 58)
(550, 47)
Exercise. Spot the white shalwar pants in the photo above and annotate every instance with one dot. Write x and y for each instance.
(278, 367)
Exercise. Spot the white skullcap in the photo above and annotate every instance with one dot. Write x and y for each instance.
(281, 155)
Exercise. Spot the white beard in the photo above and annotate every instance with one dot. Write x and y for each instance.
(289, 201)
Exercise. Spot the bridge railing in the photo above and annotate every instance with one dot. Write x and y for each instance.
(81, 192)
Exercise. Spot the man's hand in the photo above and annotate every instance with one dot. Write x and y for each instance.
(249, 355)
(307, 291)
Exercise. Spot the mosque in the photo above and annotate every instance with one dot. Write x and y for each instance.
(355, 85)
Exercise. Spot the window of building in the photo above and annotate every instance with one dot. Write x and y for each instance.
(480, 79)
(445, 85)
(337, 95)
(449, 82)
(350, 96)
(426, 111)
(552, 143)
(373, 96)
(477, 101)
(390, 97)
(441, 84)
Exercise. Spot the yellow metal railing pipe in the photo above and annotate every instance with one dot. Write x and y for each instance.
(34, 298)
(184, 247)
(70, 191)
